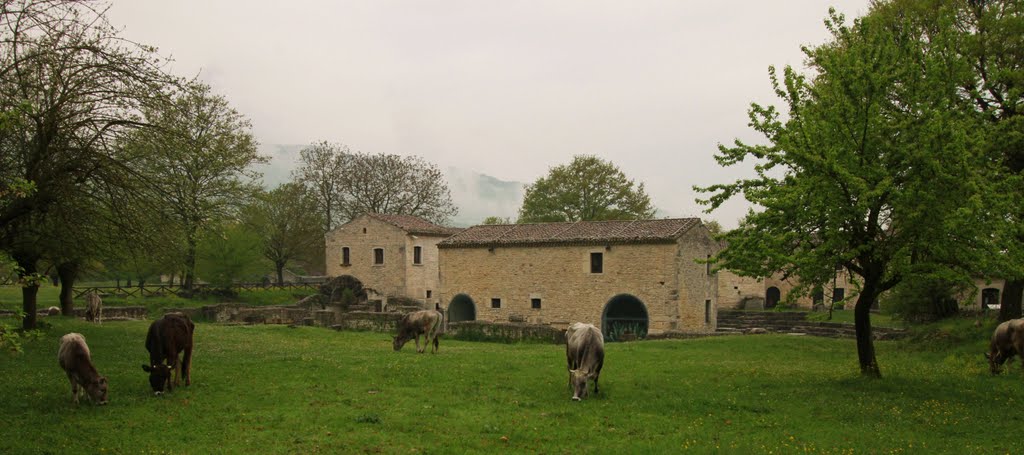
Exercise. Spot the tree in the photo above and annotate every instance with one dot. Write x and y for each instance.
(875, 169)
(288, 225)
(321, 170)
(229, 253)
(199, 162)
(587, 189)
(395, 185)
(497, 220)
(70, 86)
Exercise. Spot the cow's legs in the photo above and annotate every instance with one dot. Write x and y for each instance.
(188, 365)
(436, 344)
(74, 389)
(418, 344)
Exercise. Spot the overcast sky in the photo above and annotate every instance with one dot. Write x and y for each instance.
(507, 88)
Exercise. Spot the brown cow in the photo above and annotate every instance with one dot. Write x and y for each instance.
(74, 357)
(584, 352)
(167, 337)
(1007, 341)
(93, 307)
(423, 322)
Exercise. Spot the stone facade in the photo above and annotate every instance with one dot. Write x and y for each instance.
(382, 254)
(739, 292)
(539, 274)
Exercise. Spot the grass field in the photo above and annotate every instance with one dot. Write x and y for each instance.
(274, 389)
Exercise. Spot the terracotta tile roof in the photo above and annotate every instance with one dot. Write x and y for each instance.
(415, 225)
(580, 232)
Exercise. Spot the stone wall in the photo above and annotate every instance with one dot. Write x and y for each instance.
(117, 312)
(362, 235)
(504, 332)
(560, 277)
(698, 284)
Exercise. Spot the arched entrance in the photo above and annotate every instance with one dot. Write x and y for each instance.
(989, 298)
(772, 297)
(461, 308)
(624, 318)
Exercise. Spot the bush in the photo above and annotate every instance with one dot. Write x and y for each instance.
(924, 299)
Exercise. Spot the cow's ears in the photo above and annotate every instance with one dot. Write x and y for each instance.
(147, 368)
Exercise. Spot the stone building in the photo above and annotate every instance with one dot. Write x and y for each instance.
(393, 255)
(623, 276)
(739, 292)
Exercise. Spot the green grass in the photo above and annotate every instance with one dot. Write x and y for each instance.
(10, 299)
(274, 389)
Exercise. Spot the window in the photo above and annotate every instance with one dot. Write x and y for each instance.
(596, 262)
(495, 303)
(378, 255)
(707, 311)
(345, 258)
(707, 266)
(417, 255)
(838, 294)
(535, 303)
(428, 293)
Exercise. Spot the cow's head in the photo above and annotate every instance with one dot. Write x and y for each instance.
(398, 341)
(579, 384)
(97, 390)
(995, 361)
(159, 377)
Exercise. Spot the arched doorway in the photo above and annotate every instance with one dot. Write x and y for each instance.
(624, 318)
(461, 308)
(772, 297)
(989, 298)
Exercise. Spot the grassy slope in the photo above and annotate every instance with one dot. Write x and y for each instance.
(273, 389)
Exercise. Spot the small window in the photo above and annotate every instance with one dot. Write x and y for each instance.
(838, 294)
(378, 256)
(535, 304)
(707, 311)
(417, 255)
(495, 303)
(364, 230)
(345, 258)
(707, 266)
(428, 293)
(596, 262)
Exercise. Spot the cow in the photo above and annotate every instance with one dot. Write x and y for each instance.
(76, 360)
(93, 307)
(167, 337)
(424, 322)
(1007, 341)
(584, 353)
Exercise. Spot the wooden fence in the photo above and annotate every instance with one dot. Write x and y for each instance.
(176, 289)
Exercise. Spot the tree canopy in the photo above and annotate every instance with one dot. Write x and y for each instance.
(875, 166)
(587, 189)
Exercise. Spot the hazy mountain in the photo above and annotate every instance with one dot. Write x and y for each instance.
(477, 195)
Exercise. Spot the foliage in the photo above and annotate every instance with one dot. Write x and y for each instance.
(587, 189)
(874, 167)
(230, 254)
(926, 298)
(288, 225)
(199, 164)
(741, 394)
(497, 220)
(347, 185)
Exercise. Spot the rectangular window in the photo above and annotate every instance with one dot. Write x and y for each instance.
(596, 262)
(535, 304)
(345, 258)
(378, 256)
(495, 303)
(707, 311)
(838, 294)
(707, 266)
(417, 255)
(428, 293)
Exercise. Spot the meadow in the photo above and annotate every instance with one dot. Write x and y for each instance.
(275, 389)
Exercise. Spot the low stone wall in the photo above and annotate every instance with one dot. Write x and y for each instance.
(118, 312)
(368, 320)
(234, 312)
(505, 332)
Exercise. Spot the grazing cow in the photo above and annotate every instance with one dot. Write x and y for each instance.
(74, 357)
(93, 307)
(1007, 341)
(423, 322)
(584, 352)
(167, 337)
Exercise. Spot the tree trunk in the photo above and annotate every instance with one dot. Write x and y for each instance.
(29, 290)
(280, 273)
(189, 277)
(1010, 301)
(862, 324)
(68, 272)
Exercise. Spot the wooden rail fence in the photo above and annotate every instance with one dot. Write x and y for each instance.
(176, 289)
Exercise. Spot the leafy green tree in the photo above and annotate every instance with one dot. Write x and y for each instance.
(199, 163)
(288, 225)
(228, 254)
(586, 189)
(395, 185)
(71, 87)
(875, 167)
(497, 220)
(322, 170)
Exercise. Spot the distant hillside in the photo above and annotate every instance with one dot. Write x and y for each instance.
(477, 195)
